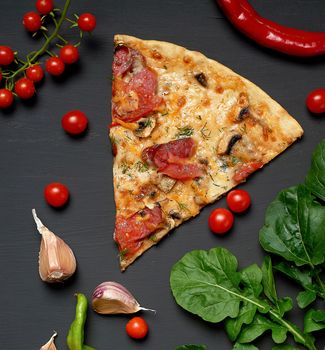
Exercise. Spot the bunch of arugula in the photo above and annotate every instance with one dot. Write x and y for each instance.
(208, 284)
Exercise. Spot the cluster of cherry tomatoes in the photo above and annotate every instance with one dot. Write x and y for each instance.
(24, 87)
(221, 220)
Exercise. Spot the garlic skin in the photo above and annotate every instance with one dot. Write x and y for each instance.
(56, 259)
(112, 298)
(50, 344)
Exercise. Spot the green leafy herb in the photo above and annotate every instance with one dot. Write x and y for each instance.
(141, 166)
(208, 284)
(186, 131)
(205, 132)
(315, 179)
(314, 321)
(239, 346)
(294, 227)
(182, 206)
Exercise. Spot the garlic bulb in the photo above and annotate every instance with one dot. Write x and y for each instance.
(50, 344)
(56, 259)
(113, 298)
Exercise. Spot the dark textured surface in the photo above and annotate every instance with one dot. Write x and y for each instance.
(34, 151)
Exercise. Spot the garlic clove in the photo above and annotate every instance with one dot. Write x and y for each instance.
(50, 344)
(112, 298)
(56, 259)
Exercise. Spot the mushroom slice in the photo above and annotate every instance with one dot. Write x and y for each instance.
(164, 182)
(227, 142)
(145, 127)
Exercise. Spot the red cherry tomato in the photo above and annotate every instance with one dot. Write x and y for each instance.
(56, 194)
(74, 122)
(6, 98)
(35, 73)
(221, 221)
(69, 54)
(54, 66)
(238, 201)
(87, 22)
(24, 88)
(44, 6)
(32, 21)
(6, 55)
(137, 328)
(316, 101)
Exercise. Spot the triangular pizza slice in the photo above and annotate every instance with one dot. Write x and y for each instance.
(185, 130)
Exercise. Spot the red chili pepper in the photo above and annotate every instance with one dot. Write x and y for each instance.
(291, 41)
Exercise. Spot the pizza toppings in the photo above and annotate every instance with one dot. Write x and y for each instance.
(227, 142)
(200, 77)
(169, 158)
(245, 170)
(130, 232)
(145, 127)
(134, 86)
(232, 142)
(244, 112)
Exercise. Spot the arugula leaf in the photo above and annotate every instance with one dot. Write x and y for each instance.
(294, 227)
(191, 347)
(260, 325)
(268, 280)
(284, 347)
(206, 283)
(315, 179)
(303, 277)
(314, 321)
(239, 346)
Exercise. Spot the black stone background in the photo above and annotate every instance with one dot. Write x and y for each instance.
(34, 151)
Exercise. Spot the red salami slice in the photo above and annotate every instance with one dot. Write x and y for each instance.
(137, 97)
(170, 159)
(182, 171)
(245, 170)
(129, 232)
(122, 61)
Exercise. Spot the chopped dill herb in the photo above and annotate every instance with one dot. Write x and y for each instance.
(141, 166)
(235, 160)
(153, 238)
(182, 206)
(186, 131)
(205, 132)
(147, 122)
(123, 253)
(125, 168)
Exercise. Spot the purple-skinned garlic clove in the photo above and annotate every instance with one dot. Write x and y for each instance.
(112, 298)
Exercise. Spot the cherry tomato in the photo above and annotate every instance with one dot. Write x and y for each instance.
(221, 220)
(316, 101)
(74, 122)
(137, 328)
(56, 194)
(35, 73)
(54, 66)
(238, 200)
(24, 88)
(87, 22)
(44, 6)
(6, 55)
(32, 21)
(69, 54)
(6, 98)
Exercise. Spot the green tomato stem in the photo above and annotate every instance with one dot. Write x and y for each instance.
(46, 44)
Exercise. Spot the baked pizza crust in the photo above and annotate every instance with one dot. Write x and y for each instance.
(211, 110)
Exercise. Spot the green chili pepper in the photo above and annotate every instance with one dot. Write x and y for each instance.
(76, 335)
